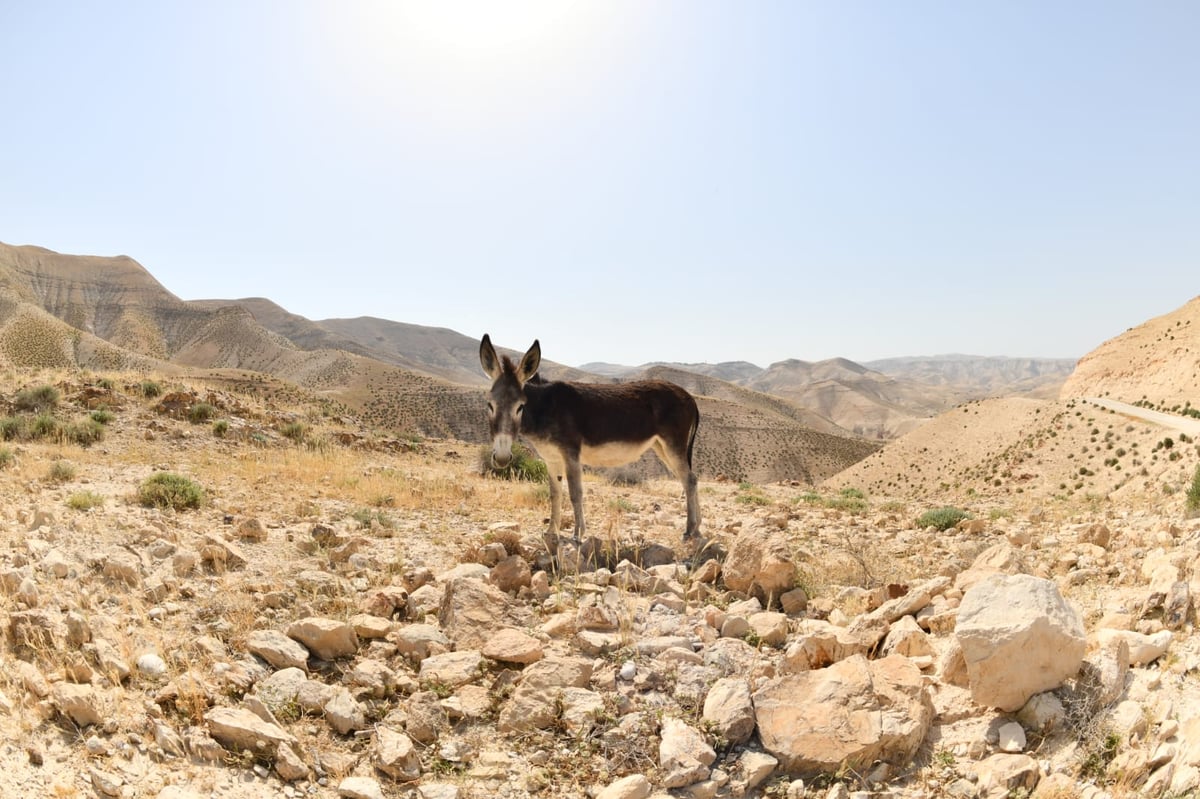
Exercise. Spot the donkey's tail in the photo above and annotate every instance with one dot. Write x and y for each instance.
(691, 440)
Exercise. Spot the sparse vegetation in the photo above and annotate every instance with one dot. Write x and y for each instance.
(40, 399)
(523, 466)
(370, 517)
(1193, 494)
(61, 471)
(296, 431)
(150, 389)
(84, 500)
(942, 518)
(201, 412)
(170, 491)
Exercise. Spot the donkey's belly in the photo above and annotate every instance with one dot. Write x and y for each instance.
(617, 453)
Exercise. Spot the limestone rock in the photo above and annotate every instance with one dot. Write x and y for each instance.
(533, 705)
(328, 639)
(511, 574)
(472, 610)
(635, 786)
(730, 709)
(452, 668)
(396, 756)
(238, 729)
(1019, 637)
(359, 788)
(281, 651)
(79, 703)
(683, 754)
(854, 712)
(419, 641)
(760, 563)
(513, 646)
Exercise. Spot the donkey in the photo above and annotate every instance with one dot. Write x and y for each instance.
(571, 424)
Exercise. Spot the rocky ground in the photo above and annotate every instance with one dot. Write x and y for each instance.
(346, 614)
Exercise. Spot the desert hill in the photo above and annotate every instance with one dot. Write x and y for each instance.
(978, 377)
(880, 399)
(1157, 362)
(353, 363)
(317, 610)
(1061, 448)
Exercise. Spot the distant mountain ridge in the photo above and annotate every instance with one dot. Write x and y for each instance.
(89, 312)
(881, 399)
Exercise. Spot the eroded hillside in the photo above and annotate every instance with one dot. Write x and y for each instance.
(1157, 362)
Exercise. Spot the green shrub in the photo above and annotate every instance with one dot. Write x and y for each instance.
(523, 466)
(942, 518)
(44, 426)
(102, 415)
(61, 472)
(84, 432)
(169, 490)
(7, 457)
(150, 389)
(366, 517)
(293, 430)
(220, 428)
(39, 400)
(201, 412)
(14, 428)
(84, 500)
(1193, 494)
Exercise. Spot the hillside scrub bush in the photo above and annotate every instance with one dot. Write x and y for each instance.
(942, 518)
(1193, 494)
(523, 466)
(84, 432)
(39, 399)
(102, 415)
(220, 428)
(84, 500)
(150, 389)
(201, 412)
(294, 430)
(61, 472)
(7, 457)
(169, 490)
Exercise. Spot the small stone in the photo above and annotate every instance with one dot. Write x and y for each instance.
(151, 665)
(1012, 738)
(359, 788)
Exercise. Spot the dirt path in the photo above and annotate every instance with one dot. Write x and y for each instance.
(1182, 424)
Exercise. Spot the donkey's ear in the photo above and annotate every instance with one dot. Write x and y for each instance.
(488, 359)
(529, 363)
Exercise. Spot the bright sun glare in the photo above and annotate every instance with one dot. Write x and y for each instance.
(478, 29)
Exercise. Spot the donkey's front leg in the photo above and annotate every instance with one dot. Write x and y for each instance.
(554, 478)
(575, 489)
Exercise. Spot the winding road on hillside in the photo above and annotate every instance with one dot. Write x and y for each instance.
(1182, 424)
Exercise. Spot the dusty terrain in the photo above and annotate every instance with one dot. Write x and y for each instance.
(307, 515)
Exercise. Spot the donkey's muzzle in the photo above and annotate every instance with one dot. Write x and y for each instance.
(502, 452)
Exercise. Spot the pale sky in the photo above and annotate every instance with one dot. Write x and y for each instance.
(627, 181)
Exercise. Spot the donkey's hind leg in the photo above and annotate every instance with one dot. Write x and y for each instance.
(575, 489)
(676, 460)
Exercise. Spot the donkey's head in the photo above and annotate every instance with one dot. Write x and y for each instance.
(506, 400)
